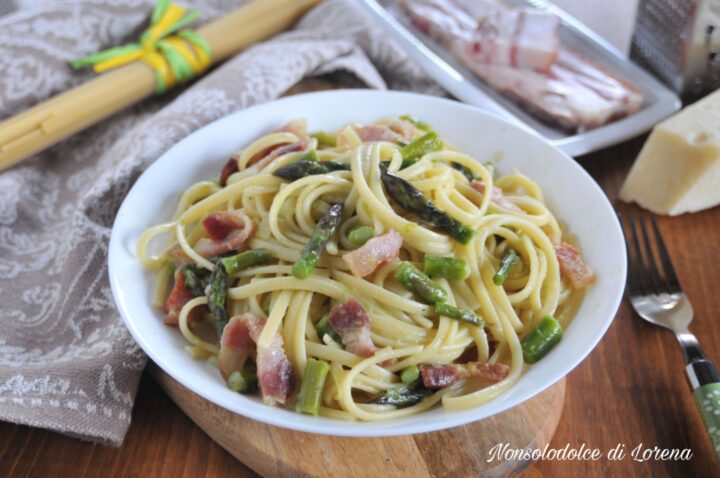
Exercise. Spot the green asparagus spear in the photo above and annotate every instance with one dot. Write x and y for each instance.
(313, 382)
(405, 395)
(509, 259)
(412, 200)
(325, 139)
(246, 259)
(323, 327)
(542, 339)
(410, 374)
(312, 251)
(307, 167)
(359, 235)
(463, 315)
(309, 156)
(419, 147)
(242, 381)
(217, 296)
(446, 267)
(415, 281)
(465, 170)
(196, 279)
(415, 121)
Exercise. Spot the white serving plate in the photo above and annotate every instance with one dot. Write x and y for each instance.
(659, 101)
(570, 192)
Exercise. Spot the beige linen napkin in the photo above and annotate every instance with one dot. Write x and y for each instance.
(67, 362)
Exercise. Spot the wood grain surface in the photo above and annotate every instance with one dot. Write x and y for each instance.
(460, 451)
(631, 390)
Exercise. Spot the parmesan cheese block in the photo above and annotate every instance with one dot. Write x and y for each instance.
(678, 169)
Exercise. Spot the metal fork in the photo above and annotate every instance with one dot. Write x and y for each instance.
(656, 296)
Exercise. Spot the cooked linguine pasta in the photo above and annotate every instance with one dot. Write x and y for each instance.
(366, 274)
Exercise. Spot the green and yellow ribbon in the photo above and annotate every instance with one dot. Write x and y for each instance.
(175, 55)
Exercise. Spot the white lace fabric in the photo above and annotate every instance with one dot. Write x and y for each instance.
(67, 363)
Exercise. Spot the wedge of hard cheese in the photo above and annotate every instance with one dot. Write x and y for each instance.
(678, 169)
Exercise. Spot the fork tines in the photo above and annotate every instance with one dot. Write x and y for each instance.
(650, 269)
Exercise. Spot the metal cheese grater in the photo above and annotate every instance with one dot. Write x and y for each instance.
(679, 40)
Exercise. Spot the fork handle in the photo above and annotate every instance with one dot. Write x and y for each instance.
(705, 382)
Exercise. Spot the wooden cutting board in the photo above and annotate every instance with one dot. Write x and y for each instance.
(458, 452)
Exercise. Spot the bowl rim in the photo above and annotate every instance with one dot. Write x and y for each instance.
(351, 429)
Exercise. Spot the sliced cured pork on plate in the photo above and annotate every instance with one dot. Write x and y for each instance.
(518, 53)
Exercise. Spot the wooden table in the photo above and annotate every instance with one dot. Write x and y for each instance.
(631, 390)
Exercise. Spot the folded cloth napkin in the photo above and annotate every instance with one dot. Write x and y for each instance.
(67, 362)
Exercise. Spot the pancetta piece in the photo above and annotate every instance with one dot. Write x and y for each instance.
(298, 127)
(274, 370)
(566, 96)
(351, 322)
(377, 132)
(227, 231)
(572, 266)
(230, 168)
(492, 372)
(405, 129)
(519, 38)
(377, 251)
(443, 20)
(176, 300)
(490, 32)
(236, 346)
(438, 376)
(496, 197)
(268, 155)
(177, 256)
(445, 375)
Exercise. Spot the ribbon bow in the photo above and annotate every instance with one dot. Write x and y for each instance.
(174, 55)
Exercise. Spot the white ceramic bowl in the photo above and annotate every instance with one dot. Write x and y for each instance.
(571, 193)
